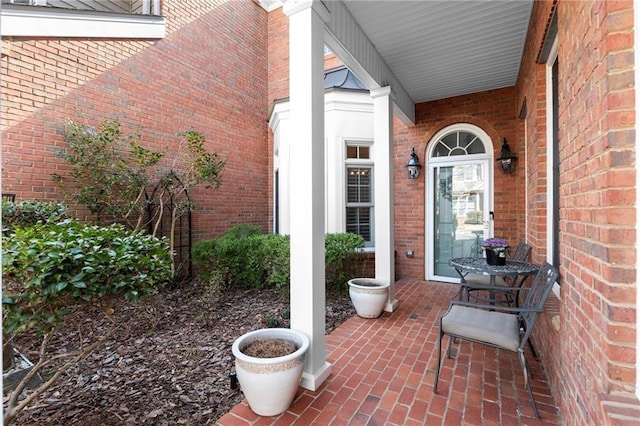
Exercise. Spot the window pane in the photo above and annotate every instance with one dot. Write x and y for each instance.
(441, 150)
(466, 138)
(477, 147)
(359, 193)
(358, 185)
(352, 151)
(458, 143)
(358, 221)
(358, 152)
(451, 140)
(458, 151)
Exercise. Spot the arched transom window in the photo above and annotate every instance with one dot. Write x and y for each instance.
(458, 143)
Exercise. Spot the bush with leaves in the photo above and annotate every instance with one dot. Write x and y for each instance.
(118, 179)
(240, 254)
(186, 166)
(340, 257)
(272, 257)
(249, 258)
(110, 171)
(50, 268)
(31, 212)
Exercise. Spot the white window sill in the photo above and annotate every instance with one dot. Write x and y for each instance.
(17, 21)
(366, 250)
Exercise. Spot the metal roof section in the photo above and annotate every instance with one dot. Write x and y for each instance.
(342, 78)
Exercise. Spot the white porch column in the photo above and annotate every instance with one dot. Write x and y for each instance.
(306, 93)
(383, 190)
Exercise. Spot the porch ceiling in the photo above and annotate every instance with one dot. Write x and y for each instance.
(440, 49)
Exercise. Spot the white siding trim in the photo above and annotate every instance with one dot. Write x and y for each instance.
(49, 22)
(553, 54)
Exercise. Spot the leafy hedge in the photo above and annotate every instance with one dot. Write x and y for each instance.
(47, 267)
(246, 257)
(340, 256)
(31, 212)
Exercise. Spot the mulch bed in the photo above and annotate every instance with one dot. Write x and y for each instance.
(168, 363)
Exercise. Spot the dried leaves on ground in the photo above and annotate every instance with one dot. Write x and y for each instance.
(169, 362)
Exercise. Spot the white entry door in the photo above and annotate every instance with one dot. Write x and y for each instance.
(458, 198)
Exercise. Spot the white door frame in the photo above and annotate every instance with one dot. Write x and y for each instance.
(433, 162)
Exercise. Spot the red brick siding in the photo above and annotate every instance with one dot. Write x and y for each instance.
(332, 61)
(590, 353)
(532, 92)
(209, 73)
(278, 83)
(493, 111)
(278, 55)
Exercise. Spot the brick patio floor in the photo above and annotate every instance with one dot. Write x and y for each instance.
(383, 373)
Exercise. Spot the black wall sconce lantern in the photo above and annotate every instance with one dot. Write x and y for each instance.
(413, 166)
(506, 160)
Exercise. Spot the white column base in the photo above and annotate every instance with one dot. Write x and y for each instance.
(313, 381)
(391, 305)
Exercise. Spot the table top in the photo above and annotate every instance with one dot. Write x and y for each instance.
(479, 265)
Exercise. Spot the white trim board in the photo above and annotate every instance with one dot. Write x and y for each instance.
(50, 22)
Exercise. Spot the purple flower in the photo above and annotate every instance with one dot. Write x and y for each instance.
(495, 243)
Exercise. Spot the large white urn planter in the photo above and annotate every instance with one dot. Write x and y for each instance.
(270, 384)
(368, 296)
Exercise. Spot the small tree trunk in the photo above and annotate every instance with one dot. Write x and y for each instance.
(7, 352)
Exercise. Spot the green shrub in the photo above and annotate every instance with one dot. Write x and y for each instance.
(242, 231)
(109, 169)
(247, 258)
(340, 256)
(47, 267)
(273, 258)
(233, 253)
(30, 212)
(203, 257)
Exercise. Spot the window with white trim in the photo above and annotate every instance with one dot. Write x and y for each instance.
(359, 191)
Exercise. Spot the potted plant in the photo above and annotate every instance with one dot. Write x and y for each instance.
(368, 296)
(269, 365)
(496, 250)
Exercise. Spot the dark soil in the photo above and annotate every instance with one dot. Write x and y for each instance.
(169, 361)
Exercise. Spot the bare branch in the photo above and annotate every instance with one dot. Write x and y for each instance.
(13, 407)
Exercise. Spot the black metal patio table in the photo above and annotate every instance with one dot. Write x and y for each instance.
(478, 265)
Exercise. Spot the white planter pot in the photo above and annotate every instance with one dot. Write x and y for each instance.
(270, 384)
(368, 296)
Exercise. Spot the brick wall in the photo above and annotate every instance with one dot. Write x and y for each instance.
(587, 338)
(209, 73)
(278, 55)
(493, 111)
(532, 92)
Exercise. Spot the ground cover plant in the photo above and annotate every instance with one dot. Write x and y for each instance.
(51, 270)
